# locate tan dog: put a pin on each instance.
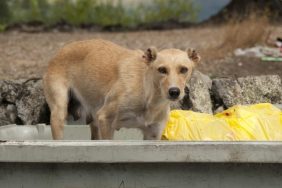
(117, 87)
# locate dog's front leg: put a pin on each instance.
(104, 119)
(153, 131)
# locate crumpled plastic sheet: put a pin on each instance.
(259, 122)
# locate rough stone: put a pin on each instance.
(31, 105)
(258, 89)
(10, 90)
(247, 90)
(226, 92)
(199, 88)
(197, 96)
(9, 93)
(8, 114)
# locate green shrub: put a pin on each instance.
(103, 13)
(3, 27)
(4, 12)
(169, 10)
(24, 11)
(107, 14)
(72, 12)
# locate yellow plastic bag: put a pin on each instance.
(254, 122)
(188, 125)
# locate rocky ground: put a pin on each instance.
(26, 55)
(23, 102)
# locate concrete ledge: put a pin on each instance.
(71, 132)
(140, 152)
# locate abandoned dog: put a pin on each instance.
(116, 87)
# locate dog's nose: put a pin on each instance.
(174, 92)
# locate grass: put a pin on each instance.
(241, 33)
(246, 33)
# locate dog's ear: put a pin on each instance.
(193, 55)
(150, 55)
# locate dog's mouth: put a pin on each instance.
(172, 99)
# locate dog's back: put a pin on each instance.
(93, 62)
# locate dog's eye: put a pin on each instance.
(183, 70)
(162, 70)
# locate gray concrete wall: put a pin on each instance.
(150, 175)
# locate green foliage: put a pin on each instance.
(108, 15)
(72, 12)
(2, 27)
(4, 14)
(104, 13)
(24, 11)
(170, 10)
(4, 11)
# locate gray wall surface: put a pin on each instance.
(150, 175)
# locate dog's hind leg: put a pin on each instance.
(56, 93)
(94, 131)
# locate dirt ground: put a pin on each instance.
(26, 55)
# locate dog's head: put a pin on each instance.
(171, 68)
